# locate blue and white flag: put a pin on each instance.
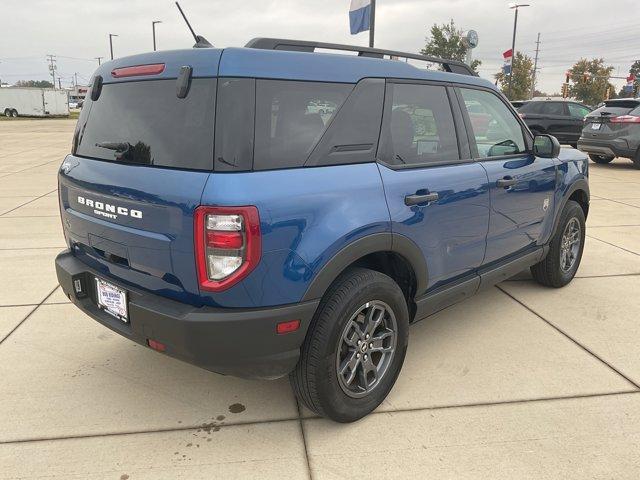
(508, 61)
(359, 16)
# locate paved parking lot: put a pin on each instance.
(519, 382)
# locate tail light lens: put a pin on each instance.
(227, 245)
(625, 119)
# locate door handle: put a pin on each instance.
(417, 199)
(506, 182)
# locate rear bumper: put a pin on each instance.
(239, 342)
(610, 148)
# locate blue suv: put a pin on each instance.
(279, 210)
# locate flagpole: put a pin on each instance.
(372, 23)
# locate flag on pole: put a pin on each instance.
(631, 80)
(508, 60)
(359, 16)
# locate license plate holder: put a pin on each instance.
(112, 299)
(596, 126)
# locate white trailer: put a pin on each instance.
(33, 102)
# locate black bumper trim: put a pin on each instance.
(239, 342)
(606, 148)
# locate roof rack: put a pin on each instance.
(451, 66)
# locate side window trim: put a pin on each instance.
(528, 139)
(459, 128)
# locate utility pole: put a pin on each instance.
(535, 66)
(111, 35)
(514, 6)
(99, 60)
(153, 28)
(372, 23)
(59, 84)
(75, 78)
(52, 68)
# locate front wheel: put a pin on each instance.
(636, 160)
(355, 346)
(600, 158)
(565, 251)
(7, 112)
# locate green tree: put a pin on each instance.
(34, 83)
(635, 71)
(590, 81)
(446, 42)
(522, 78)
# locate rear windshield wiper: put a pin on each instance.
(120, 147)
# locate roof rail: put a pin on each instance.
(451, 66)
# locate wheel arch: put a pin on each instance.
(392, 254)
(578, 192)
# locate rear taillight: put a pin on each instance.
(227, 245)
(625, 119)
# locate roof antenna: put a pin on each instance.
(201, 42)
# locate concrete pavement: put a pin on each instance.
(519, 382)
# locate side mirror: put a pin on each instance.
(546, 146)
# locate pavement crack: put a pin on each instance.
(304, 438)
(569, 337)
(28, 315)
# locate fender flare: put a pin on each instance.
(580, 184)
(377, 242)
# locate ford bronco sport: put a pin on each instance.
(212, 213)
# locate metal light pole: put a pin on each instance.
(111, 35)
(153, 28)
(372, 23)
(514, 6)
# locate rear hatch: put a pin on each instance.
(613, 120)
(140, 162)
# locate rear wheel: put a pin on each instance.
(600, 158)
(7, 112)
(565, 251)
(14, 113)
(354, 348)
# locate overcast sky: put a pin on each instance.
(77, 30)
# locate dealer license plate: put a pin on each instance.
(112, 299)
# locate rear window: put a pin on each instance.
(146, 123)
(618, 107)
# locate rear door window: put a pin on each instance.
(499, 133)
(552, 108)
(290, 118)
(418, 126)
(578, 111)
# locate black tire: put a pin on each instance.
(7, 112)
(315, 378)
(600, 158)
(14, 113)
(552, 271)
(636, 160)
